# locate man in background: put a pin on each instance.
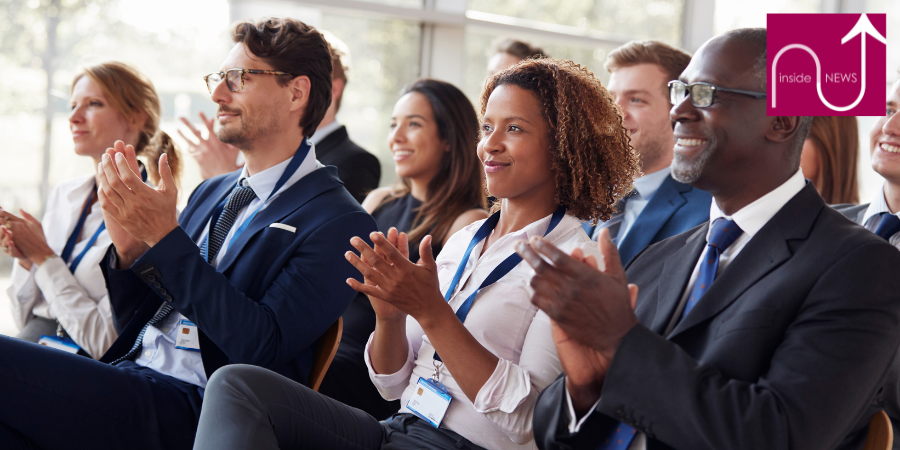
(659, 206)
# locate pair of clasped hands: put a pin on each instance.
(23, 237)
(137, 215)
(591, 307)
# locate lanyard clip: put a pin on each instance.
(436, 376)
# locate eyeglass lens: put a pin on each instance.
(701, 94)
(232, 79)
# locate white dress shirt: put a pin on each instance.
(872, 217)
(158, 350)
(504, 321)
(750, 219)
(78, 301)
(645, 188)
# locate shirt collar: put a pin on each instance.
(754, 216)
(647, 185)
(264, 182)
(323, 132)
(878, 206)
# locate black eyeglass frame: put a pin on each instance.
(224, 76)
(689, 92)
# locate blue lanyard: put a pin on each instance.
(73, 238)
(292, 167)
(499, 272)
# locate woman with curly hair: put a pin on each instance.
(458, 339)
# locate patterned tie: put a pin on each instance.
(724, 232)
(888, 226)
(240, 197)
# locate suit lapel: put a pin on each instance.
(659, 209)
(204, 211)
(675, 276)
(766, 251)
(294, 197)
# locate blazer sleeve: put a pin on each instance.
(360, 174)
(306, 297)
(551, 422)
(821, 379)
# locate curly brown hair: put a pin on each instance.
(593, 161)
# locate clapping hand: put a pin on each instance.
(145, 214)
(23, 238)
(591, 309)
(214, 156)
(407, 287)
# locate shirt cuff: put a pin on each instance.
(575, 423)
(505, 390)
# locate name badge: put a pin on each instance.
(65, 344)
(430, 401)
(187, 337)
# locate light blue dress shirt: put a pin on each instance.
(159, 352)
(645, 188)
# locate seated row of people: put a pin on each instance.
(223, 306)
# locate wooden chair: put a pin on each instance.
(328, 346)
(881, 434)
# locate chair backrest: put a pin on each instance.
(328, 345)
(881, 434)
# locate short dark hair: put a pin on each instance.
(339, 69)
(517, 48)
(289, 45)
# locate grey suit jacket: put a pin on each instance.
(788, 349)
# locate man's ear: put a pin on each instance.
(300, 87)
(337, 88)
(783, 128)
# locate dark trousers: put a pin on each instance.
(50, 399)
(247, 407)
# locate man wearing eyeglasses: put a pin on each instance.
(253, 271)
(772, 327)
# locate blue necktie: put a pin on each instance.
(723, 234)
(239, 198)
(614, 223)
(888, 226)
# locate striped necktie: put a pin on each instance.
(239, 198)
(614, 224)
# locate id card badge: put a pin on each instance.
(431, 400)
(187, 338)
(65, 344)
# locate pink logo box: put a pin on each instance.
(826, 64)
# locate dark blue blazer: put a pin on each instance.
(675, 208)
(274, 293)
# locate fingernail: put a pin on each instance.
(347, 255)
(105, 157)
(119, 157)
(520, 247)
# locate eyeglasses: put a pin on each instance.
(234, 78)
(702, 94)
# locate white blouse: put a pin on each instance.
(504, 321)
(78, 301)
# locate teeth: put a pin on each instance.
(690, 142)
(890, 148)
(403, 153)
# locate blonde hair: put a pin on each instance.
(132, 94)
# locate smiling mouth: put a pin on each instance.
(889, 148)
(402, 154)
(494, 166)
(690, 142)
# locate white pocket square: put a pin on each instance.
(283, 227)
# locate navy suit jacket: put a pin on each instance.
(274, 293)
(675, 208)
(788, 349)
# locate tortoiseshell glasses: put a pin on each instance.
(234, 78)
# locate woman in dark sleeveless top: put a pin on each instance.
(433, 135)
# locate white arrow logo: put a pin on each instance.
(862, 27)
